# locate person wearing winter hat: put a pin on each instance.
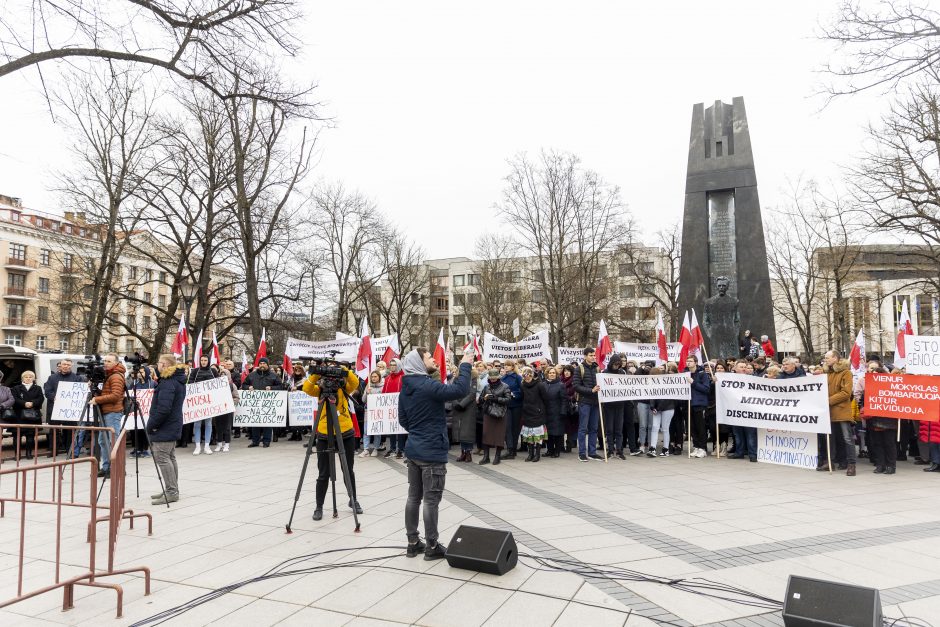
(262, 378)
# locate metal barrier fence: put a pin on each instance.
(70, 496)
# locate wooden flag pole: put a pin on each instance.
(717, 430)
(828, 453)
(600, 410)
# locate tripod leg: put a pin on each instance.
(303, 473)
(344, 463)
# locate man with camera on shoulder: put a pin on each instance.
(347, 434)
(110, 400)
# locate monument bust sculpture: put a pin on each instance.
(722, 321)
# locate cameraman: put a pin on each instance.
(347, 432)
(111, 402)
(421, 413)
(262, 378)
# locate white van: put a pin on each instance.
(14, 360)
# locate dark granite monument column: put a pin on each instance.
(722, 232)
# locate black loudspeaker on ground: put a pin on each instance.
(483, 550)
(818, 603)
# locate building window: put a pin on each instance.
(440, 322)
(16, 284)
(132, 322)
(538, 316)
(68, 229)
(112, 346)
(129, 346)
(538, 296)
(15, 216)
(15, 313)
(40, 342)
(65, 316)
(87, 292)
(459, 280)
(133, 273)
(18, 252)
(64, 345)
(147, 297)
(43, 315)
(146, 322)
(628, 291)
(43, 285)
(473, 279)
(460, 320)
(163, 277)
(161, 300)
(67, 261)
(442, 303)
(44, 257)
(474, 300)
(148, 275)
(625, 269)
(13, 339)
(628, 313)
(460, 300)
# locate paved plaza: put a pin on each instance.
(725, 521)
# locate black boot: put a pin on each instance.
(486, 456)
(497, 459)
(538, 453)
(531, 456)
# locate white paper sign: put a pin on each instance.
(532, 348)
(568, 355)
(207, 399)
(639, 353)
(787, 448)
(922, 353)
(144, 400)
(626, 387)
(261, 408)
(301, 408)
(800, 404)
(348, 348)
(69, 401)
(382, 414)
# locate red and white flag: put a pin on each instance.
(262, 348)
(661, 341)
(440, 355)
(685, 338)
(905, 327)
(604, 348)
(287, 366)
(215, 357)
(393, 351)
(197, 350)
(365, 360)
(473, 344)
(244, 365)
(695, 348)
(857, 356)
(181, 339)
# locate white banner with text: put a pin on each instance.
(261, 408)
(800, 404)
(382, 415)
(532, 348)
(628, 387)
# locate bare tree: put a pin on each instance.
(502, 294)
(401, 303)
(214, 43)
(659, 284)
(569, 220)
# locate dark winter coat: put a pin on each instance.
(797, 372)
(21, 396)
(260, 380)
(421, 413)
(200, 374)
(498, 395)
(514, 382)
(556, 402)
(533, 404)
(701, 388)
(465, 414)
(585, 378)
(52, 385)
(165, 423)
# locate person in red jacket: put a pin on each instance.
(930, 433)
(767, 347)
(392, 383)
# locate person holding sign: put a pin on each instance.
(63, 373)
(421, 413)
(347, 435)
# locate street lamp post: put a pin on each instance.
(188, 289)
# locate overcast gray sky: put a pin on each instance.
(431, 98)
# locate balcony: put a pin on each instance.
(18, 322)
(19, 293)
(21, 264)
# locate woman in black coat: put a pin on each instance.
(533, 414)
(464, 418)
(27, 402)
(494, 402)
(556, 401)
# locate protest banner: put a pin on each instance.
(381, 344)
(922, 353)
(569, 355)
(532, 348)
(207, 399)
(787, 448)
(347, 348)
(382, 415)
(800, 404)
(902, 396)
(301, 408)
(639, 353)
(261, 408)
(144, 400)
(628, 387)
(69, 401)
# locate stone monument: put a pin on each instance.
(722, 232)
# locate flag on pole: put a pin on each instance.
(393, 351)
(288, 367)
(244, 365)
(215, 357)
(604, 348)
(262, 348)
(695, 348)
(440, 355)
(857, 356)
(197, 350)
(473, 344)
(661, 340)
(685, 338)
(904, 328)
(181, 339)
(365, 360)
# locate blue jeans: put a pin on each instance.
(370, 441)
(588, 418)
(745, 441)
(112, 420)
(261, 433)
(197, 431)
(396, 442)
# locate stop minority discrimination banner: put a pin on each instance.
(800, 404)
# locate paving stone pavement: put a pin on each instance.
(743, 525)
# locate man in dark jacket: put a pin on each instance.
(262, 378)
(585, 384)
(421, 413)
(50, 389)
(165, 425)
(701, 397)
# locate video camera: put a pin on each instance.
(136, 361)
(332, 375)
(92, 368)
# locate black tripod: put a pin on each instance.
(90, 417)
(327, 403)
(139, 424)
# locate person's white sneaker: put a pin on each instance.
(218, 447)
(700, 453)
(723, 450)
(225, 448)
(364, 453)
(196, 452)
(374, 453)
(208, 450)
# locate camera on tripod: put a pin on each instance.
(332, 374)
(92, 368)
